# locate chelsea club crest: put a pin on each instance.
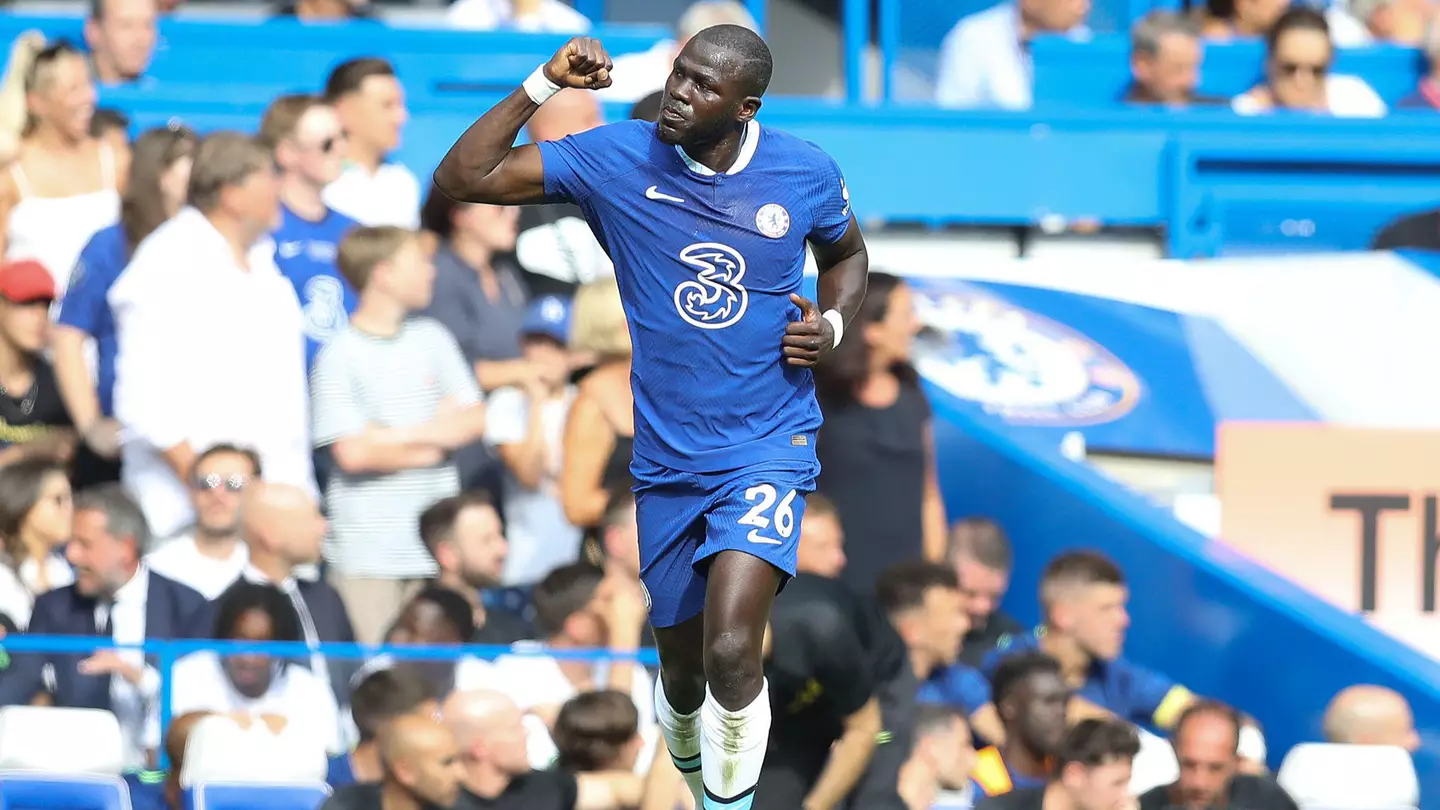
(772, 220)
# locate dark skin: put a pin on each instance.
(1035, 722)
(707, 104)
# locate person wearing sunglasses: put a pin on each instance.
(308, 143)
(1298, 58)
(210, 555)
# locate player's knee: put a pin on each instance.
(733, 664)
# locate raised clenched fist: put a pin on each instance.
(582, 63)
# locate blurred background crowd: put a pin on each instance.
(261, 383)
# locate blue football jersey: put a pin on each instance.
(305, 253)
(706, 264)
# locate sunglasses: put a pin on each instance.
(214, 481)
(1292, 69)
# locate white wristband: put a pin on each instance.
(539, 87)
(838, 321)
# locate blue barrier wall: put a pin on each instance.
(1222, 625)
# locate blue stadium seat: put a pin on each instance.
(20, 790)
(224, 796)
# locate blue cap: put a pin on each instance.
(548, 316)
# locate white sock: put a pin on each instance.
(733, 746)
(682, 737)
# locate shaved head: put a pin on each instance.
(281, 524)
(1370, 715)
(421, 755)
(491, 730)
(749, 58)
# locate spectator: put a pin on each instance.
(497, 774)
(121, 35)
(112, 126)
(1427, 92)
(526, 427)
(600, 430)
(464, 536)
(985, 59)
(822, 539)
(114, 596)
(830, 662)
(305, 136)
(574, 611)
(982, 558)
(437, 617)
(480, 295)
(65, 184)
(36, 515)
(324, 10)
(923, 602)
(637, 75)
(1370, 715)
(154, 192)
(377, 700)
(556, 249)
(878, 464)
(390, 444)
(597, 732)
(210, 271)
(210, 555)
(1082, 598)
(937, 774)
(371, 104)
(283, 531)
(620, 539)
(255, 684)
(1031, 698)
(648, 108)
(1384, 22)
(1298, 59)
(539, 16)
(1228, 19)
(1206, 739)
(1092, 771)
(422, 768)
(1165, 56)
(33, 419)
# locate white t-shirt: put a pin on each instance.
(533, 681)
(1348, 97)
(541, 539)
(180, 559)
(300, 696)
(390, 196)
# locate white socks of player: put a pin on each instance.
(682, 736)
(732, 748)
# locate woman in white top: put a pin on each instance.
(1298, 59)
(65, 184)
(253, 684)
(35, 515)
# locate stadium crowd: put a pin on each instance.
(267, 388)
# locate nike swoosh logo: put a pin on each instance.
(754, 537)
(654, 193)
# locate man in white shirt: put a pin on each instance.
(637, 75)
(212, 348)
(371, 104)
(210, 556)
(547, 16)
(985, 59)
(114, 596)
(576, 607)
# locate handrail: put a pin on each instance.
(168, 651)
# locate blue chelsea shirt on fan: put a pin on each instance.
(305, 253)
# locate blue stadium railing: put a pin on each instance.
(164, 654)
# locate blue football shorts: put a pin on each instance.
(684, 519)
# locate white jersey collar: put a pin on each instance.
(749, 142)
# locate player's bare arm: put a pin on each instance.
(485, 166)
(844, 270)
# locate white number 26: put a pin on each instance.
(764, 496)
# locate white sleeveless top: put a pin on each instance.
(53, 230)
